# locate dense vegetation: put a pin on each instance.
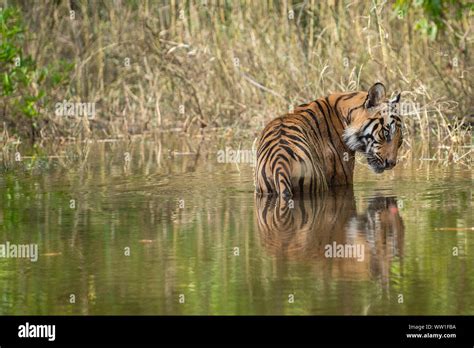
(184, 65)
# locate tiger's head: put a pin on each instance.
(375, 129)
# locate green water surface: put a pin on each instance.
(146, 227)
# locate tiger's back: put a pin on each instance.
(303, 152)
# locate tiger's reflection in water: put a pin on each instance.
(303, 230)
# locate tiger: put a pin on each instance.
(313, 147)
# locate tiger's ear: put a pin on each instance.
(396, 99)
(375, 95)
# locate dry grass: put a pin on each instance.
(212, 64)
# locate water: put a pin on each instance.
(142, 236)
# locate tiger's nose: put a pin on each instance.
(389, 164)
